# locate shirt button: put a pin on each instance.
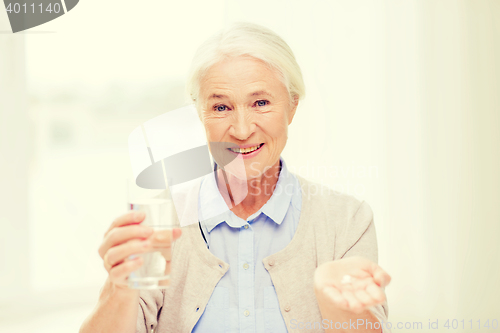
(271, 262)
(245, 266)
(287, 308)
(246, 313)
(246, 226)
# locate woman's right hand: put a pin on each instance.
(126, 236)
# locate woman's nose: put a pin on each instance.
(242, 126)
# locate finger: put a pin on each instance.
(164, 283)
(376, 293)
(381, 277)
(336, 296)
(117, 254)
(364, 297)
(167, 268)
(177, 232)
(166, 252)
(361, 283)
(119, 274)
(354, 304)
(164, 238)
(131, 217)
(120, 235)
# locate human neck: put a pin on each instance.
(258, 190)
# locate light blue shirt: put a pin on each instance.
(244, 300)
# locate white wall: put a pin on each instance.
(402, 110)
(15, 154)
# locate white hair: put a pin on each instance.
(243, 38)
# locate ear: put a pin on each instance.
(293, 108)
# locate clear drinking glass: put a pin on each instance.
(161, 216)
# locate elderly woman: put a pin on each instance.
(287, 255)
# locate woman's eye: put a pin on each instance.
(262, 103)
(220, 108)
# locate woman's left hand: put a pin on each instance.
(352, 284)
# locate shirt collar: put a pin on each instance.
(213, 210)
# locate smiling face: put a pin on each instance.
(245, 104)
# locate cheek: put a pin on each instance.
(276, 127)
(215, 129)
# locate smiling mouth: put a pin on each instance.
(245, 151)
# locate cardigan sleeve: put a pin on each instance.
(150, 304)
(365, 245)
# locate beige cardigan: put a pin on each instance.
(331, 226)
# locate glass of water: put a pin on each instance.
(161, 216)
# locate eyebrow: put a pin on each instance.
(261, 92)
(255, 93)
(216, 96)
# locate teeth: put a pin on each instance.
(245, 150)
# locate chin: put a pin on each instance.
(244, 175)
(246, 170)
